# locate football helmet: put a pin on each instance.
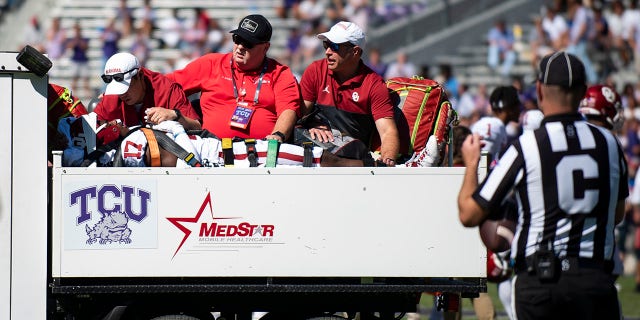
(603, 103)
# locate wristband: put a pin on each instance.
(279, 134)
(178, 114)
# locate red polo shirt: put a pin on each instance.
(211, 75)
(160, 92)
(364, 93)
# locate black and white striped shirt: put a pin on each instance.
(568, 176)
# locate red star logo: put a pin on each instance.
(187, 232)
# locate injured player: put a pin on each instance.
(143, 147)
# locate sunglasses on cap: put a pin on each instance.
(107, 78)
(244, 42)
(335, 47)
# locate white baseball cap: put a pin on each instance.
(344, 31)
(121, 66)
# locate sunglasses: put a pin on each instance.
(107, 78)
(244, 42)
(335, 47)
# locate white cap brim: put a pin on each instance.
(335, 38)
(117, 88)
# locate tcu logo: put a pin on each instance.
(111, 199)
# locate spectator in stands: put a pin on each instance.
(629, 18)
(581, 27)
(293, 52)
(375, 62)
(148, 17)
(140, 47)
(602, 42)
(633, 37)
(215, 37)
(449, 80)
(310, 12)
(402, 67)
(79, 45)
(481, 101)
(124, 18)
(357, 11)
(425, 71)
(347, 95)
(629, 96)
(630, 140)
(556, 27)
(171, 29)
(55, 40)
(110, 37)
(244, 93)
(465, 106)
(335, 12)
(620, 54)
(138, 96)
(195, 34)
(539, 41)
(501, 54)
(34, 35)
(286, 7)
(203, 18)
(309, 46)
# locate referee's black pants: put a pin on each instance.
(580, 294)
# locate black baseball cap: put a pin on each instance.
(504, 98)
(562, 69)
(254, 28)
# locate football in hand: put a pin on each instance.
(497, 234)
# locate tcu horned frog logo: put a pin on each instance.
(210, 231)
(116, 208)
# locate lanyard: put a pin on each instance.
(235, 88)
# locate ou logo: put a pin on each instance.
(608, 94)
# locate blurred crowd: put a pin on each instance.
(192, 32)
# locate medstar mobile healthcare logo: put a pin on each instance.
(214, 231)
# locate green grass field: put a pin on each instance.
(629, 299)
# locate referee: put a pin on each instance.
(570, 181)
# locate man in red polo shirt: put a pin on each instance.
(137, 95)
(350, 97)
(244, 93)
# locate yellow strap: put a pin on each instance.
(154, 150)
(227, 152)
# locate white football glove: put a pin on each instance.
(170, 126)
